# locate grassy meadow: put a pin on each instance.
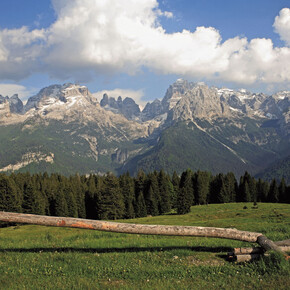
(36, 257)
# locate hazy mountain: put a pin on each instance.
(64, 128)
(126, 107)
(278, 170)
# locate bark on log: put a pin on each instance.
(244, 251)
(130, 228)
(267, 244)
(257, 250)
(283, 243)
(247, 258)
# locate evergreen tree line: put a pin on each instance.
(111, 197)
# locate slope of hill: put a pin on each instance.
(278, 170)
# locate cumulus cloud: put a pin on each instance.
(10, 89)
(136, 95)
(96, 37)
(282, 25)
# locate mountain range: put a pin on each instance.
(64, 128)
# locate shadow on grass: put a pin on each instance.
(116, 250)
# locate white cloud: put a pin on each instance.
(11, 89)
(136, 95)
(108, 37)
(282, 25)
(166, 14)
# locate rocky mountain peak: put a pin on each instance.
(174, 93)
(13, 104)
(16, 105)
(56, 95)
(126, 107)
(199, 101)
(152, 110)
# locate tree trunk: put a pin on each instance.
(257, 250)
(130, 228)
(226, 233)
(267, 245)
(247, 258)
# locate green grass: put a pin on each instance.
(35, 257)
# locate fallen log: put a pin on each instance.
(268, 245)
(193, 231)
(226, 233)
(247, 258)
(257, 250)
(244, 251)
(283, 243)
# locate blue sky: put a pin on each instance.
(142, 46)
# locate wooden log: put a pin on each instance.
(130, 228)
(257, 250)
(268, 245)
(283, 243)
(247, 258)
(244, 251)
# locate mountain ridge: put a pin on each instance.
(115, 135)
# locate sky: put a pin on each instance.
(137, 48)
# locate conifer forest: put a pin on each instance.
(109, 197)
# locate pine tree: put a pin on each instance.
(9, 199)
(282, 191)
(183, 202)
(127, 189)
(111, 204)
(244, 189)
(201, 180)
(152, 194)
(187, 183)
(61, 208)
(273, 195)
(151, 203)
(175, 183)
(32, 202)
(185, 196)
(231, 187)
(72, 208)
(79, 193)
(140, 205)
(218, 191)
(262, 188)
(165, 193)
(91, 198)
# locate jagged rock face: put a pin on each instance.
(152, 110)
(16, 105)
(176, 92)
(126, 107)
(3, 99)
(51, 92)
(129, 108)
(120, 156)
(4, 107)
(199, 102)
(110, 102)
